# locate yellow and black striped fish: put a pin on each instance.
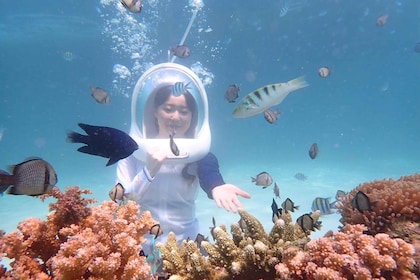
(267, 96)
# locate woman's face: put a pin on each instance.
(173, 116)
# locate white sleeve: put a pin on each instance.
(134, 177)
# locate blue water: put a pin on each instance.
(365, 116)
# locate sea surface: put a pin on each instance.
(364, 116)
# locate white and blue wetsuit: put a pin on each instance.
(170, 196)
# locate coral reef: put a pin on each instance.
(393, 201)
(395, 209)
(349, 254)
(251, 253)
(78, 241)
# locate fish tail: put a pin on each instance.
(297, 83)
(74, 137)
(253, 179)
(5, 181)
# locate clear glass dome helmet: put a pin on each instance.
(143, 122)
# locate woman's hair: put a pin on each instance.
(163, 94)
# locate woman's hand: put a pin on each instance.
(227, 196)
(154, 160)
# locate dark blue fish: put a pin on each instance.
(313, 151)
(323, 205)
(103, 141)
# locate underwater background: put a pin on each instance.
(364, 116)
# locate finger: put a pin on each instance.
(244, 194)
(218, 203)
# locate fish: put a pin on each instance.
(179, 88)
(271, 115)
(156, 230)
(362, 202)
(212, 228)
(133, 6)
(313, 151)
(263, 179)
(265, 97)
(324, 72)
(32, 177)
(381, 20)
(276, 190)
(323, 205)
(276, 211)
(289, 205)
(117, 192)
(340, 194)
(300, 176)
(200, 238)
(103, 141)
(100, 95)
(232, 93)
(172, 145)
(181, 51)
(306, 222)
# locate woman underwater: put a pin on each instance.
(158, 181)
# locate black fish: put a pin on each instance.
(232, 93)
(181, 51)
(313, 151)
(362, 202)
(172, 145)
(276, 211)
(103, 141)
(289, 205)
(306, 222)
(212, 228)
(32, 177)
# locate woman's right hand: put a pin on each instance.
(154, 160)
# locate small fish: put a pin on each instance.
(276, 190)
(271, 115)
(179, 88)
(133, 6)
(300, 176)
(289, 205)
(103, 141)
(232, 93)
(306, 222)
(156, 230)
(381, 21)
(417, 48)
(324, 72)
(340, 194)
(100, 95)
(362, 202)
(265, 97)
(117, 192)
(263, 179)
(200, 238)
(323, 205)
(276, 211)
(313, 151)
(172, 145)
(181, 51)
(32, 177)
(212, 228)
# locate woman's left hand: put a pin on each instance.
(227, 196)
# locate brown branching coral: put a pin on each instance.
(349, 254)
(79, 242)
(251, 253)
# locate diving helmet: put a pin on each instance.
(143, 122)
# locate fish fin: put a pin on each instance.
(253, 179)
(74, 137)
(111, 161)
(89, 129)
(296, 207)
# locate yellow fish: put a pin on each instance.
(267, 96)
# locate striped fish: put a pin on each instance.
(267, 96)
(323, 205)
(179, 88)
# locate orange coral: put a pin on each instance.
(350, 254)
(393, 200)
(78, 242)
